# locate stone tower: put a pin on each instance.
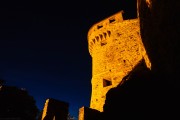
(116, 47)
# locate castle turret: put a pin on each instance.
(115, 46)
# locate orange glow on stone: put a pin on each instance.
(116, 47)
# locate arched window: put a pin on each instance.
(97, 38)
(101, 36)
(109, 33)
(94, 40)
(104, 35)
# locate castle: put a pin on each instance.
(116, 47)
(145, 45)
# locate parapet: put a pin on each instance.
(98, 31)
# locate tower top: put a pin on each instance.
(99, 26)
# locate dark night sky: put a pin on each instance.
(43, 46)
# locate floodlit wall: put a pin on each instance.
(116, 47)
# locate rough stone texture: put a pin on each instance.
(115, 46)
(86, 113)
(55, 110)
(122, 82)
(135, 98)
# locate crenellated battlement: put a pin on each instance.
(99, 34)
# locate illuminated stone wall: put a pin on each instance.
(45, 109)
(55, 110)
(86, 113)
(115, 46)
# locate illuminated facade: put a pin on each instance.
(116, 47)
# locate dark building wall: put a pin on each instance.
(140, 97)
(134, 98)
(86, 113)
(160, 30)
(55, 109)
(151, 94)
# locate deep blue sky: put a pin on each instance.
(43, 46)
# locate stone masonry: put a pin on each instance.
(55, 110)
(116, 47)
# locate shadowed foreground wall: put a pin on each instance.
(160, 30)
(152, 94)
(55, 110)
(134, 99)
(86, 113)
